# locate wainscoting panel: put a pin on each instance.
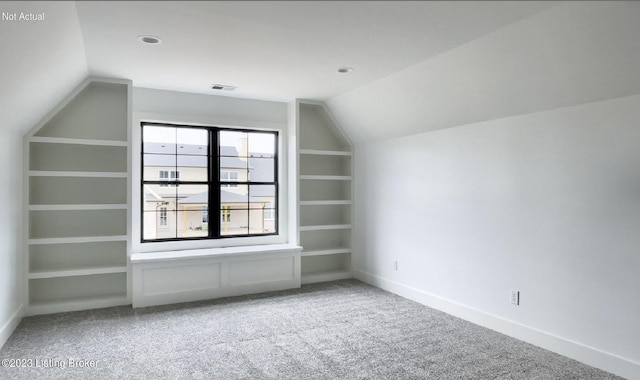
(173, 278)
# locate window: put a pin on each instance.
(168, 175)
(188, 171)
(269, 212)
(163, 216)
(225, 214)
(205, 214)
(228, 176)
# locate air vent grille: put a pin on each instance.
(222, 87)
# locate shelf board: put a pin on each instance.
(77, 272)
(326, 276)
(324, 152)
(326, 227)
(56, 173)
(63, 140)
(74, 304)
(327, 177)
(325, 252)
(65, 240)
(70, 207)
(325, 203)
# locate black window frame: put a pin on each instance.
(213, 183)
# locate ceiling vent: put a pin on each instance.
(223, 87)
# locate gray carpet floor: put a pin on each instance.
(335, 330)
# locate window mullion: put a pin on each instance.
(214, 184)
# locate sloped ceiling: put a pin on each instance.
(42, 61)
(279, 50)
(419, 65)
(575, 53)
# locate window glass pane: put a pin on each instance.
(233, 210)
(262, 144)
(192, 168)
(192, 141)
(190, 224)
(159, 208)
(236, 165)
(159, 139)
(234, 196)
(156, 196)
(229, 176)
(262, 193)
(270, 211)
(233, 144)
(234, 220)
(160, 224)
(192, 197)
(258, 224)
(154, 164)
(261, 169)
(262, 213)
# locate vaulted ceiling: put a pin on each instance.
(418, 65)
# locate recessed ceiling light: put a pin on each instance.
(345, 70)
(151, 40)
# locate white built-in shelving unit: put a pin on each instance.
(77, 229)
(325, 194)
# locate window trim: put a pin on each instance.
(213, 182)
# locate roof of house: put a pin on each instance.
(188, 155)
(258, 193)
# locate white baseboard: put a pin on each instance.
(589, 355)
(7, 329)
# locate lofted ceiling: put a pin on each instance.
(418, 65)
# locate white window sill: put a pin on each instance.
(149, 257)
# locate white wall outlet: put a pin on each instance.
(395, 264)
(515, 297)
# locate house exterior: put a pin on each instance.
(182, 211)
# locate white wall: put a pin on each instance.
(545, 203)
(11, 273)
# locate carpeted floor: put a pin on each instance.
(336, 330)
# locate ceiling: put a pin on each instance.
(418, 65)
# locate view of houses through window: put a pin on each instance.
(189, 171)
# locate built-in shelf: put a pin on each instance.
(326, 192)
(76, 193)
(327, 177)
(63, 140)
(325, 203)
(76, 272)
(79, 303)
(65, 240)
(52, 173)
(72, 207)
(326, 227)
(324, 252)
(324, 152)
(326, 276)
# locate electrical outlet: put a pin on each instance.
(515, 297)
(395, 265)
